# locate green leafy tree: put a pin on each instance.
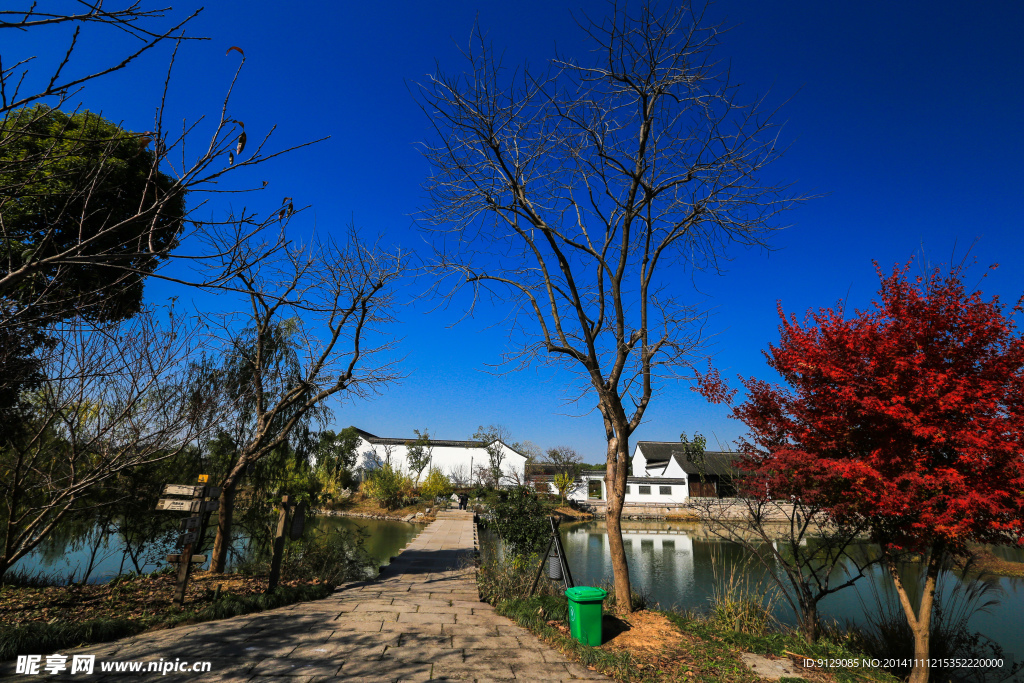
(335, 455)
(389, 486)
(563, 482)
(87, 214)
(694, 451)
(419, 453)
(437, 485)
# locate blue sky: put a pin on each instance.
(904, 117)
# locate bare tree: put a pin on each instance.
(565, 465)
(580, 197)
(115, 397)
(494, 438)
(304, 338)
(460, 475)
(807, 556)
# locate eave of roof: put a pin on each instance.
(387, 441)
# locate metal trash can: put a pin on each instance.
(585, 608)
(554, 566)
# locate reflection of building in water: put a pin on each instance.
(665, 554)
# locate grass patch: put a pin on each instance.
(705, 653)
(35, 637)
(782, 643)
(361, 504)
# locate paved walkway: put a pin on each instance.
(422, 619)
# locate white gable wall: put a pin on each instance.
(674, 470)
(639, 463)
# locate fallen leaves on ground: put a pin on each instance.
(135, 598)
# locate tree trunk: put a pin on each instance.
(810, 624)
(615, 487)
(920, 621)
(224, 515)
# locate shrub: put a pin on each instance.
(389, 486)
(509, 577)
(520, 520)
(436, 485)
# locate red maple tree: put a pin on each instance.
(909, 415)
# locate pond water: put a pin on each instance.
(674, 564)
(383, 539)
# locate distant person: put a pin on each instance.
(463, 501)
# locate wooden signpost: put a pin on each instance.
(294, 532)
(193, 528)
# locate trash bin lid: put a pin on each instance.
(586, 594)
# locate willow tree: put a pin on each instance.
(582, 198)
(305, 334)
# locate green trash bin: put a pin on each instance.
(585, 613)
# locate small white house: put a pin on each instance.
(662, 476)
(464, 462)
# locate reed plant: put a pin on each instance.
(740, 602)
(959, 596)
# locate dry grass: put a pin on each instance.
(571, 513)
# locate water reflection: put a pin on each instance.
(64, 555)
(673, 563)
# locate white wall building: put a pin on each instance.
(662, 476)
(461, 461)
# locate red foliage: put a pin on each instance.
(910, 414)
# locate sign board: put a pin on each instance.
(212, 492)
(182, 490)
(203, 478)
(178, 505)
(188, 537)
(176, 558)
(190, 523)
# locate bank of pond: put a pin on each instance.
(681, 566)
(677, 565)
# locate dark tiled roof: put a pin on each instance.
(715, 462)
(389, 441)
(433, 442)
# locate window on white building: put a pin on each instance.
(665, 490)
(645, 490)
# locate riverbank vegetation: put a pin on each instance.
(741, 615)
(649, 644)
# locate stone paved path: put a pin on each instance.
(420, 620)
